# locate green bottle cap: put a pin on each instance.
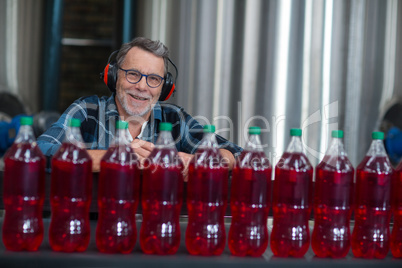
(295, 132)
(337, 134)
(165, 126)
(254, 130)
(377, 135)
(121, 124)
(74, 122)
(209, 129)
(26, 121)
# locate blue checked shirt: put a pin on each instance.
(98, 121)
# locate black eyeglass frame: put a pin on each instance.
(146, 77)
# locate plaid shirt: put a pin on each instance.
(98, 121)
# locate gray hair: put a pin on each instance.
(155, 47)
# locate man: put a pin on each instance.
(141, 72)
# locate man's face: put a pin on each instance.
(138, 99)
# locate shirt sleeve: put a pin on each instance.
(49, 142)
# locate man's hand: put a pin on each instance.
(227, 158)
(142, 148)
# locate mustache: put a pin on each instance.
(140, 95)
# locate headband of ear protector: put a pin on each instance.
(109, 77)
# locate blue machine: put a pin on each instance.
(8, 132)
(393, 144)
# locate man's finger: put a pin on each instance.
(141, 152)
(137, 143)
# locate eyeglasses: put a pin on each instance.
(134, 77)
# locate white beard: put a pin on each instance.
(131, 110)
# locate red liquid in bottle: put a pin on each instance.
(24, 190)
(70, 198)
(162, 195)
(396, 199)
(207, 190)
(371, 234)
(250, 200)
(118, 196)
(332, 208)
(291, 202)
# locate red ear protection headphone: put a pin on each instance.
(109, 77)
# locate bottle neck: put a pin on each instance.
(336, 148)
(120, 137)
(25, 135)
(377, 148)
(73, 136)
(209, 141)
(254, 144)
(165, 140)
(295, 145)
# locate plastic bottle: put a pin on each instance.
(207, 191)
(70, 193)
(371, 233)
(250, 199)
(291, 200)
(162, 196)
(118, 196)
(396, 204)
(24, 190)
(333, 201)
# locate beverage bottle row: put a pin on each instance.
(24, 188)
(162, 190)
(333, 202)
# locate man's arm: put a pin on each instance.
(50, 141)
(142, 148)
